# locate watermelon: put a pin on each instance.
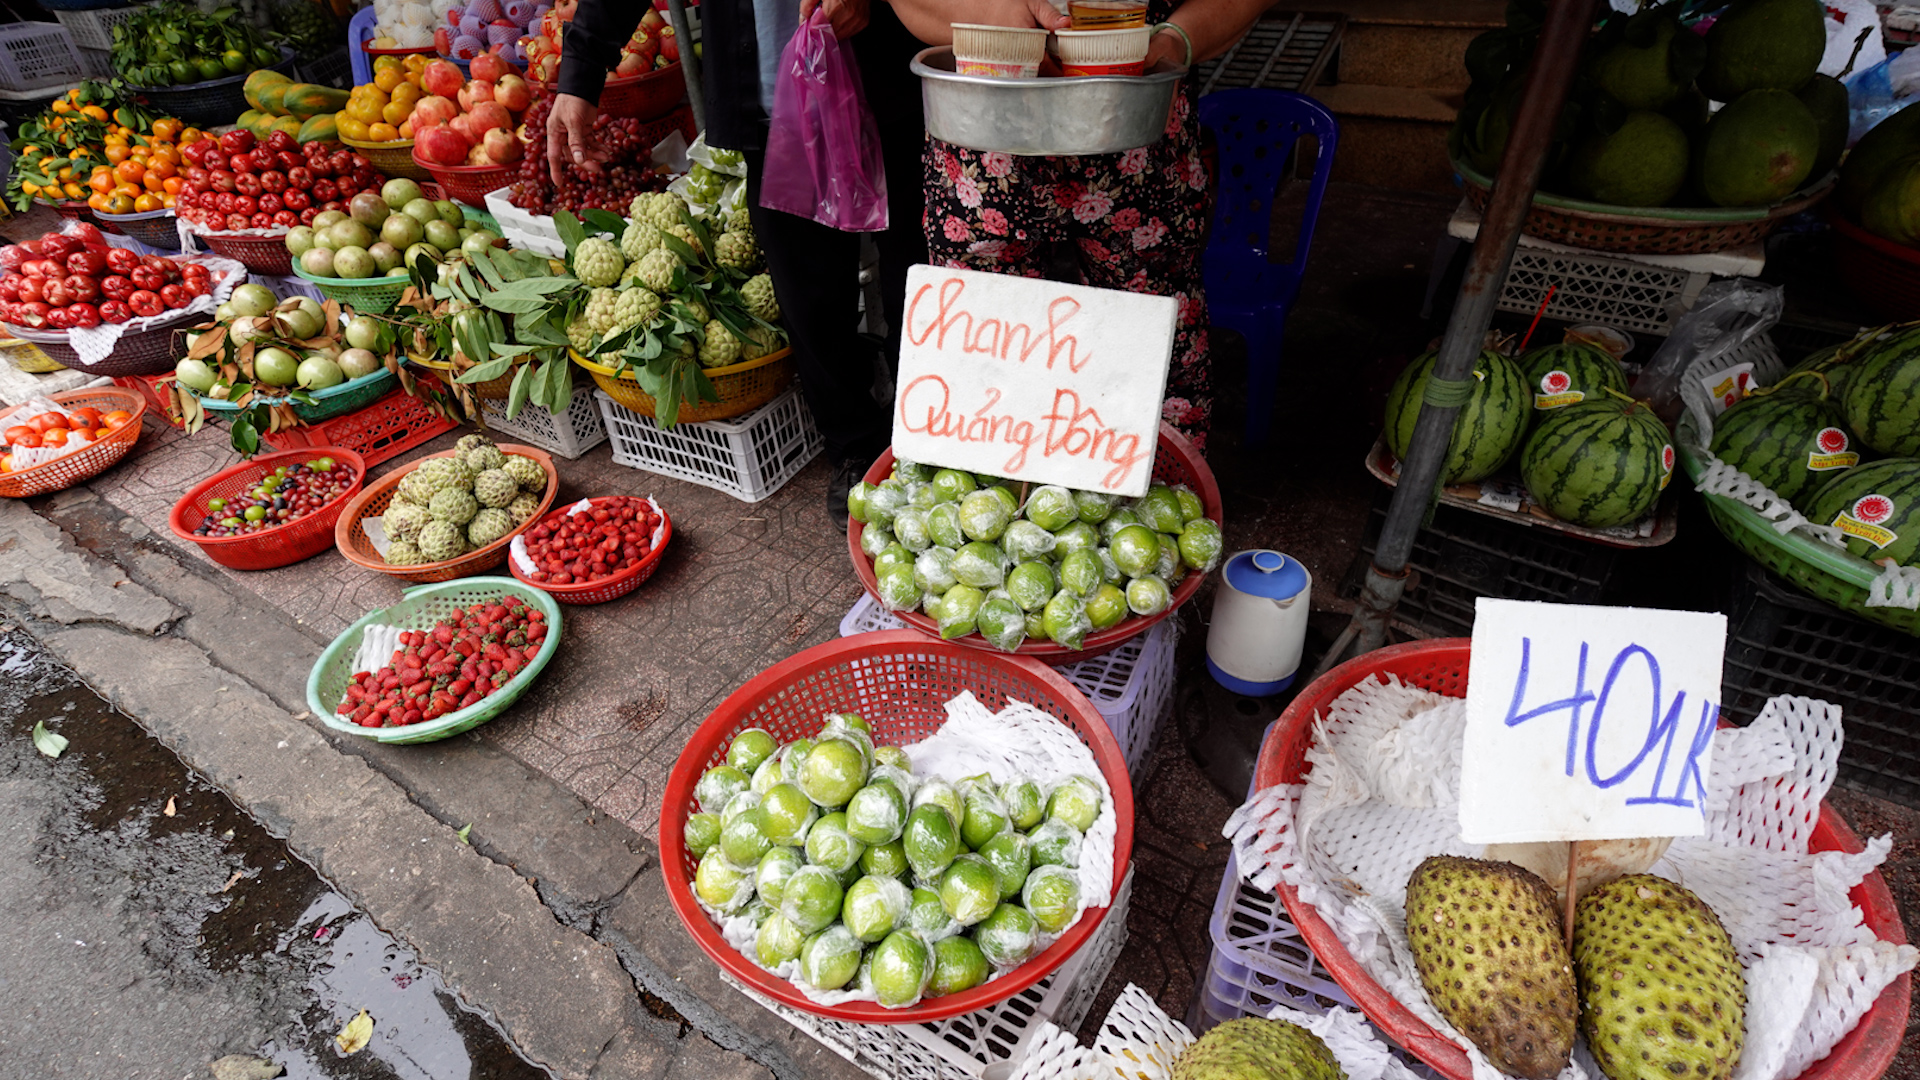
(1600, 463)
(1569, 373)
(1791, 437)
(1877, 506)
(1834, 362)
(1486, 431)
(1882, 400)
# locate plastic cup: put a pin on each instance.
(1005, 52)
(1102, 52)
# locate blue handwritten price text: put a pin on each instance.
(1688, 788)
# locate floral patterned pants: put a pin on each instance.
(1138, 219)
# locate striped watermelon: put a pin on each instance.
(1878, 507)
(1569, 373)
(1791, 437)
(1488, 428)
(1835, 362)
(1882, 401)
(1599, 463)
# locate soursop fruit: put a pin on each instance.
(1254, 1049)
(480, 459)
(686, 235)
(663, 208)
(720, 348)
(637, 307)
(404, 553)
(658, 268)
(640, 238)
(598, 263)
(1487, 940)
(403, 521)
(495, 487)
(1662, 992)
(758, 293)
(522, 508)
(526, 472)
(442, 540)
(489, 525)
(455, 506)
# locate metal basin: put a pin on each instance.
(1092, 114)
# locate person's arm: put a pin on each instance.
(847, 17)
(1214, 25)
(591, 46)
(932, 20)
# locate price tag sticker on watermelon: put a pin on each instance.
(1032, 380)
(1728, 386)
(1588, 723)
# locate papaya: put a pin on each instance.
(259, 81)
(271, 97)
(248, 118)
(306, 100)
(292, 125)
(320, 128)
(262, 125)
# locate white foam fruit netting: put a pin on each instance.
(1382, 794)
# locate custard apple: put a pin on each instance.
(737, 250)
(488, 526)
(688, 237)
(523, 507)
(482, 459)
(663, 208)
(495, 487)
(637, 306)
(580, 334)
(720, 347)
(640, 238)
(1250, 1048)
(442, 540)
(758, 293)
(597, 263)
(658, 269)
(526, 472)
(455, 506)
(418, 487)
(404, 553)
(699, 310)
(403, 521)
(601, 309)
(759, 341)
(471, 442)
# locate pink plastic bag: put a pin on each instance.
(823, 152)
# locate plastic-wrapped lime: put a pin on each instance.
(1011, 857)
(958, 964)
(718, 787)
(928, 917)
(702, 831)
(943, 525)
(897, 587)
(778, 941)
(1009, 936)
(739, 804)
(1092, 507)
(830, 845)
(980, 564)
(894, 756)
(876, 813)
(931, 840)
(912, 472)
(1159, 509)
(1200, 545)
(1080, 572)
(1031, 585)
(985, 817)
(1054, 843)
(811, 898)
(1024, 540)
(1110, 570)
(1065, 620)
(849, 727)
(910, 528)
(1075, 537)
(1026, 807)
(1037, 625)
(758, 911)
(902, 780)
(933, 570)
(874, 906)
(1148, 595)
(857, 501)
(942, 794)
(1191, 508)
(968, 889)
(1076, 801)
(789, 813)
(749, 749)
(959, 611)
(721, 885)
(875, 539)
(1001, 622)
(1107, 606)
(1169, 562)
(952, 485)
(984, 516)
(1119, 519)
(1051, 507)
(902, 967)
(833, 771)
(1136, 550)
(767, 775)
(792, 756)
(776, 866)
(850, 720)
(887, 860)
(884, 500)
(743, 839)
(1052, 897)
(920, 497)
(829, 958)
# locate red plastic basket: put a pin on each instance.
(469, 183)
(64, 472)
(611, 587)
(268, 549)
(389, 427)
(148, 387)
(649, 96)
(1884, 274)
(1174, 462)
(260, 254)
(1440, 665)
(899, 682)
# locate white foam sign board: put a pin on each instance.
(1588, 723)
(1031, 379)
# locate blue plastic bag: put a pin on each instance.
(823, 150)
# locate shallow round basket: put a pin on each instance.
(419, 610)
(64, 472)
(207, 103)
(282, 545)
(326, 404)
(742, 387)
(392, 158)
(1879, 271)
(368, 296)
(424, 50)
(899, 682)
(647, 96)
(1648, 230)
(1175, 461)
(351, 537)
(611, 587)
(1092, 114)
(1440, 665)
(144, 352)
(261, 254)
(469, 183)
(154, 228)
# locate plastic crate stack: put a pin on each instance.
(749, 457)
(40, 56)
(570, 435)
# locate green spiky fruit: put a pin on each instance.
(602, 312)
(482, 458)
(403, 521)
(404, 553)
(758, 293)
(598, 263)
(526, 472)
(1487, 941)
(455, 506)
(636, 307)
(663, 208)
(580, 334)
(685, 234)
(488, 525)
(658, 268)
(522, 509)
(471, 441)
(640, 238)
(495, 487)
(759, 341)
(1253, 1049)
(442, 540)
(736, 250)
(419, 486)
(720, 348)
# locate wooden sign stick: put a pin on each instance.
(1573, 871)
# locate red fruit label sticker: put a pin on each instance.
(1555, 382)
(1556, 391)
(1830, 452)
(1863, 522)
(1666, 465)
(1728, 387)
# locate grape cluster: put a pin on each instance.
(624, 174)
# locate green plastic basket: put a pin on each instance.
(334, 401)
(368, 296)
(423, 606)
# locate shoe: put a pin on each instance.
(845, 475)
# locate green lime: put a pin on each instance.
(943, 526)
(743, 839)
(1136, 550)
(912, 472)
(984, 516)
(875, 906)
(1191, 508)
(721, 885)
(1200, 545)
(889, 859)
(902, 966)
(1107, 606)
(885, 499)
(749, 749)
(211, 68)
(893, 756)
(1092, 506)
(985, 817)
(1159, 509)
(834, 769)
(928, 917)
(234, 61)
(1075, 537)
(931, 840)
(1024, 540)
(1119, 519)
(830, 845)
(933, 570)
(792, 756)
(980, 564)
(739, 804)
(959, 611)
(1051, 507)
(941, 794)
(778, 941)
(1036, 626)
(958, 964)
(789, 813)
(1008, 936)
(182, 71)
(876, 814)
(830, 958)
(952, 485)
(1169, 562)
(1055, 843)
(857, 501)
(923, 498)
(702, 831)
(758, 912)
(1080, 572)
(894, 555)
(811, 898)
(1031, 585)
(718, 787)
(1076, 801)
(776, 866)
(910, 528)
(1025, 806)
(1011, 858)
(767, 775)
(1007, 498)
(876, 538)
(852, 728)
(1064, 620)
(968, 889)
(1148, 595)
(1001, 622)
(1052, 896)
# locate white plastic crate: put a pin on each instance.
(37, 54)
(975, 1045)
(94, 29)
(1132, 686)
(1592, 288)
(524, 229)
(748, 457)
(569, 436)
(1259, 960)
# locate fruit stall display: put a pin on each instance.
(479, 27)
(593, 551)
(74, 280)
(272, 511)
(303, 111)
(377, 116)
(378, 234)
(74, 151)
(173, 43)
(239, 182)
(278, 363)
(638, 86)
(626, 170)
(55, 432)
(1874, 213)
(468, 122)
(449, 514)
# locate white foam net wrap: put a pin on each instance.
(1382, 794)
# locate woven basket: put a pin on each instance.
(742, 387)
(145, 352)
(154, 228)
(268, 549)
(261, 254)
(1647, 230)
(351, 537)
(209, 103)
(64, 472)
(392, 158)
(1884, 274)
(368, 296)
(470, 183)
(492, 390)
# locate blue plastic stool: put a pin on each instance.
(359, 32)
(1257, 131)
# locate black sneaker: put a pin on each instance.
(845, 475)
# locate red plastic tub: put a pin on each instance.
(282, 545)
(611, 587)
(647, 96)
(899, 682)
(1440, 665)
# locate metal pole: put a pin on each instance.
(690, 63)
(1554, 59)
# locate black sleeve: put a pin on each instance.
(592, 43)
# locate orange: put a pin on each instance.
(129, 190)
(172, 185)
(162, 166)
(120, 204)
(101, 180)
(129, 172)
(416, 62)
(118, 152)
(152, 181)
(74, 191)
(394, 114)
(167, 199)
(167, 129)
(387, 78)
(94, 111)
(62, 106)
(95, 201)
(117, 417)
(147, 202)
(382, 133)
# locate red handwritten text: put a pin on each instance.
(1069, 429)
(933, 317)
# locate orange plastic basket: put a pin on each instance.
(282, 545)
(611, 587)
(1175, 461)
(1440, 665)
(64, 472)
(742, 387)
(899, 682)
(351, 537)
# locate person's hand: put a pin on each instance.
(570, 135)
(1167, 46)
(847, 17)
(1024, 14)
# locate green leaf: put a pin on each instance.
(559, 386)
(708, 392)
(465, 834)
(245, 437)
(605, 221)
(480, 373)
(570, 230)
(509, 268)
(50, 743)
(490, 273)
(679, 247)
(517, 395)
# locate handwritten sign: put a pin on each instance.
(1031, 379)
(1588, 723)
